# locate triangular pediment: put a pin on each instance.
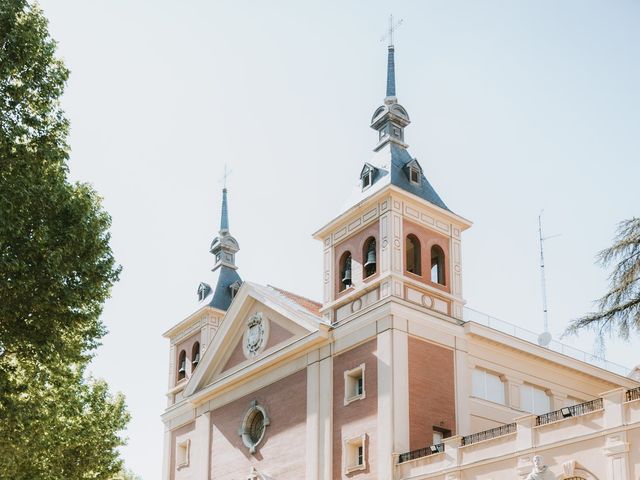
(261, 322)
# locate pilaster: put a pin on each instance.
(201, 446)
(166, 457)
(386, 435)
(524, 432)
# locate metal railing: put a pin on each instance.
(532, 337)
(572, 411)
(421, 452)
(633, 394)
(488, 434)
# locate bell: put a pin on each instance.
(196, 359)
(182, 369)
(371, 256)
(346, 281)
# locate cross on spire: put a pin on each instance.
(392, 28)
(226, 174)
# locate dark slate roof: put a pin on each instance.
(220, 296)
(400, 177)
(391, 169)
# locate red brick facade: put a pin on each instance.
(431, 391)
(359, 416)
(281, 453)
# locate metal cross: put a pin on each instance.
(227, 172)
(392, 28)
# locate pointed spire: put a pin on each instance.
(224, 216)
(391, 74)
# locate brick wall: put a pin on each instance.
(281, 454)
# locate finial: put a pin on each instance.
(391, 68)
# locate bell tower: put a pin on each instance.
(397, 237)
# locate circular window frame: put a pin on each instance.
(245, 429)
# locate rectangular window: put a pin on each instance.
(487, 385)
(439, 434)
(182, 454)
(354, 384)
(534, 399)
(354, 454)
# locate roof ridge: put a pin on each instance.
(288, 293)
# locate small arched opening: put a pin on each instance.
(412, 251)
(437, 265)
(182, 365)
(344, 279)
(195, 355)
(369, 257)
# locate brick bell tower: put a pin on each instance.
(396, 238)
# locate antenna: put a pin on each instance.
(392, 28)
(545, 337)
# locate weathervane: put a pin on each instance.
(392, 28)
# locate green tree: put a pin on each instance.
(619, 308)
(56, 271)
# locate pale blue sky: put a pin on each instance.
(516, 106)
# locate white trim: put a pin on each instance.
(182, 450)
(349, 376)
(347, 453)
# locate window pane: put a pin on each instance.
(541, 401)
(495, 388)
(477, 384)
(526, 398)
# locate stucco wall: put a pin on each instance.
(281, 454)
(180, 434)
(358, 417)
(431, 391)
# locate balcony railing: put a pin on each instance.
(421, 452)
(532, 337)
(572, 411)
(633, 394)
(488, 434)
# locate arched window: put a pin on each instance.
(437, 265)
(369, 257)
(412, 248)
(182, 365)
(195, 355)
(345, 271)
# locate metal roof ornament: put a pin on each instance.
(224, 247)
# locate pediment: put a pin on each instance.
(260, 322)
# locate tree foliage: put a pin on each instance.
(56, 271)
(619, 308)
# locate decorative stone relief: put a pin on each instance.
(540, 471)
(255, 335)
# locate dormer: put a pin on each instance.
(367, 176)
(413, 170)
(204, 289)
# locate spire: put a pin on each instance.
(391, 74)
(224, 247)
(391, 118)
(224, 216)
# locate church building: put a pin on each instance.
(390, 376)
